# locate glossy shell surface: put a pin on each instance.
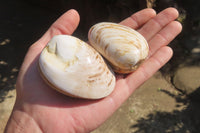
(122, 46)
(74, 68)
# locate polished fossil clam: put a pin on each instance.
(122, 46)
(74, 68)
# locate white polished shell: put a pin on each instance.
(122, 46)
(74, 68)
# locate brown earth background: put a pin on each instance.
(169, 102)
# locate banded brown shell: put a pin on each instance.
(122, 46)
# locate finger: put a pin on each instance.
(138, 19)
(125, 87)
(66, 24)
(149, 67)
(165, 36)
(157, 23)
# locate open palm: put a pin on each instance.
(50, 111)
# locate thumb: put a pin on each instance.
(66, 24)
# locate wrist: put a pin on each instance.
(21, 122)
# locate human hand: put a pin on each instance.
(39, 108)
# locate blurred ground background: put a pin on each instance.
(167, 103)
